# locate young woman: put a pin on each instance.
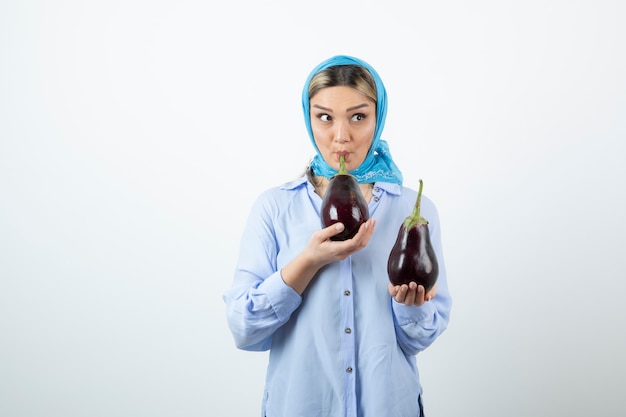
(342, 339)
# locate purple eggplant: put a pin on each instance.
(343, 202)
(412, 257)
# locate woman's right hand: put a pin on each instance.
(325, 251)
(321, 251)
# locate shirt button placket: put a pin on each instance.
(376, 194)
(348, 347)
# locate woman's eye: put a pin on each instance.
(324, 117)
(357, 117)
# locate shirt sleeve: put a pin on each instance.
(418, 327)
(259, 301)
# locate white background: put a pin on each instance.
(134, 136)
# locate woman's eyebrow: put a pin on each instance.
(359, 106)
(349, 109)
(317, 106)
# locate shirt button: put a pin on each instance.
(346, 292)
(376, 199)
(349, 369)
(376, 189)
(348, 330)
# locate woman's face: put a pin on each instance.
(343, 123)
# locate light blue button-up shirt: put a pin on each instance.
(345, 347)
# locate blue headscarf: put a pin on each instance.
(378, 164)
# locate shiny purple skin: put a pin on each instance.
(343, 202)
(413, 258)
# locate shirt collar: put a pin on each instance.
(292, 185)
(389, 187)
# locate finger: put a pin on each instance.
(364, 233)
(419, 295)
(358, 241)
(401, 294)
(421, 292)
(332, 230)
(412, 296)
(431, 293)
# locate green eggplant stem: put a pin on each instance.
(342, 165)
(415, 219)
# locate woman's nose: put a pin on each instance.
(342, 133)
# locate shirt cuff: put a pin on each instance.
(282, 297)
(412, 314)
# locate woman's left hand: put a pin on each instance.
(411, 294)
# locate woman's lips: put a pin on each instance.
(342, 153)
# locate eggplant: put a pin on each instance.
(343, 202)
(412, 257)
